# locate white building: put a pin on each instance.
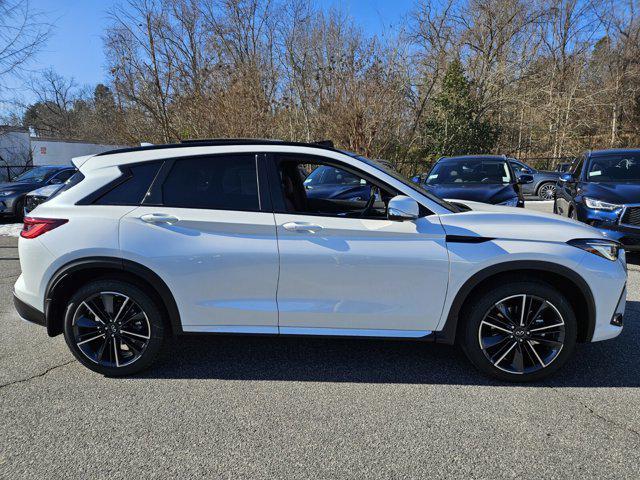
(18, 147)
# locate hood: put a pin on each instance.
(495, 221)
(18, 186)
(477, 192)
(612, 192)
(46, 191)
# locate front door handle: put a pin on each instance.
(301, 227)
(159, 218)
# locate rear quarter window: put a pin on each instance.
(131, 188)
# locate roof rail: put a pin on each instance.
(215, 142)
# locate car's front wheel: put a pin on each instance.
(520, 331)
(113, 327)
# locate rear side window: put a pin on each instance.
(225, 182)
(132, 188)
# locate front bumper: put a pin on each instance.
(28, 313)
(607, 223)
(8, 205)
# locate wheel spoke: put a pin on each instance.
(117, 317)
(533, 349)
(97, 317)
(125, 332)
(547, 327)
(505, 354)
(115, 352)
(518, 358)
(523, 310)
(547, 341)
(90, 339)
(504, 312)
(103, 347)
(542, 307)
(497, 327)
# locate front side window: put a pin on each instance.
(469, 171)
(225, 182)
(614, 168)
(328, 190)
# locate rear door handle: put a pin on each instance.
(301, 227)
(159, 218)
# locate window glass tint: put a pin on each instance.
(220, 183)
(614, 168)
(133, 189)
(469, 170)
(74, 180)
(327, 190)
(64, 176)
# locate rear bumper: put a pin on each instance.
(29, 313)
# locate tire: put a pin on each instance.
(573, 214)
(18, 211)
(94, 327)
(510, 352)
(547, 191)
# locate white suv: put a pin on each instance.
(238, 236)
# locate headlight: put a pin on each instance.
(512, 202)
(6, 193)
(600, 205)
(603, 248)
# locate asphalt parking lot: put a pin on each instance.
(242, 407)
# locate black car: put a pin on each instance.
(603, 190)
(543, 184)
(480, 178)
(12, 194)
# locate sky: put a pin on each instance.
(75, 47)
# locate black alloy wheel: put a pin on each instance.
(522, 334)
(518, 330)
(113, 327)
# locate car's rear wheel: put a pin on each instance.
(113, 327)
(522, 331)
(547, 191)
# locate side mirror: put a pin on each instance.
(566, 177)
(525, 178)
(403, 208)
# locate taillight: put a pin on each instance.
(34, 227)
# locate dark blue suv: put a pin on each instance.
(603, 190)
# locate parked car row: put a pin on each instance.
(32, 188)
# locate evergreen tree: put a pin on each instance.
(456, 127)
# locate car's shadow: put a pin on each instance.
(614, 363)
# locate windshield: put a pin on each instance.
(615, 168)
(36, 175)
(405, 181)
(469, 171)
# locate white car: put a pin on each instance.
(224, 236)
